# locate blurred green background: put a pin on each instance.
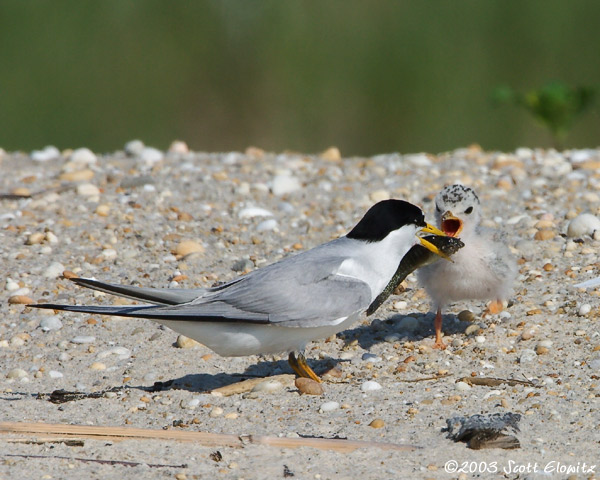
(367, 76)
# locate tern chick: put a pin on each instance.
(484, 269)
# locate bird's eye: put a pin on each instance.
(469, 210)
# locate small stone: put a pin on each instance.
(243, 265)
(134, 147)
(527, 355)
(332, 154)
(77, 176)
(48, 153)
(377, 423)
(180, 476)
(379, 195)
(329, 407)
(188, 247)
(407, 324)
(35, 238)
(20, 300)
(371, 358)
(216, 412)
(466, 316)
(103, 210)
(51, 238)
(584, 309)
(88, 190)
(285, 184)
(179, 146)
(16, 373)
(544, 235)
(527, 335)
(308, 386)
(231, 416)
(584, 224)
(186, 342)
(51, 323)
(150, 156)
(471, 329)
(267, 225)
(252, 212)
(370, 386)
(540, 350)
(268, 386)
(83, 339)
(55, 374)
(55, 270)
(480, 339)
(462, 386)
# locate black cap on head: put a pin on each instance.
(385, 217)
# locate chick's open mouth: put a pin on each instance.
(451, 226)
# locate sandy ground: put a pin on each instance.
(121, 218)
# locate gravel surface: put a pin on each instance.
(187, 219)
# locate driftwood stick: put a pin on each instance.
(423, 379)
(116, 434)
(494, 382)
(247, 385)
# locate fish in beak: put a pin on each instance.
(431, 230)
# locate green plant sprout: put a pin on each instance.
(555, 105)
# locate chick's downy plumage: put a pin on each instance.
(484, 269)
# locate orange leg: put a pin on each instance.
(437, 325)
(494, 307)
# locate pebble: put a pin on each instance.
(480, 339)
(88, 190)
(466, 316)
(527, 355)
(379, 195)
(83, 339)
(594, 363)
(150, 156)
(55, 374)
(285, 184)
(11, 285)
(268, 386)
(462, 386)
(584, 224)
(377, 423)
(544, 235)
(584, 309)
(188, 247)
(35, 238)
(54, 270)
(83, 157)
(252, 212)
(50, 323)
(332, 154)
(134, 147)
(471, 329)
(267, 225)
(20, 299)
(77, 176)
(48, 153)
(329, 407)
(370, 385)
(179, 147)
(308, 386)
(371, 358)
(407, 324)
(122, 353)
(103, 210)
(216, 412)
(242, 265)
(16, 373)
(186, 342)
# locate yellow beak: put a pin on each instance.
(430, 229)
